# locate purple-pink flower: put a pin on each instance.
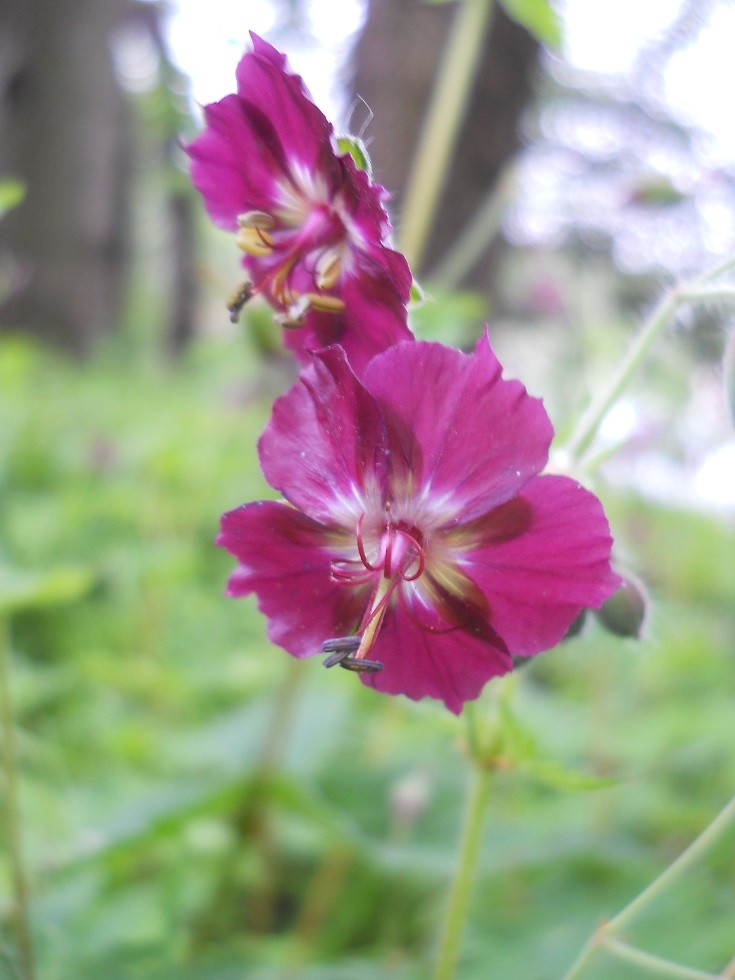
(312, 226)
(419, 545)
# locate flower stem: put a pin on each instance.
(441, 124)
(21, 892)
(692, 853)
(653, 964)
(696, 291)
(604, 936)
(459, 896)
(590, 422)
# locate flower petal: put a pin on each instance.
(231, 168)
(285, 560)
(540, 571)
(459, 433)
(451, 666)
(280, 107)
(374, 318)
(325, 447)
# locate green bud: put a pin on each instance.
(624, 613)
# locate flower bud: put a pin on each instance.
(624, 612)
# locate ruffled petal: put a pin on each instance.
(364, 200)
(230, 167)
(284, 558)
(460, 435)
(451, 666)
(539, 561)
(374, 318)
(325, 447)
(278, 104)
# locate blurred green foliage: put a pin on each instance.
(197, 805)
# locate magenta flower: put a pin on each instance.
(312, 226)
(419, 545)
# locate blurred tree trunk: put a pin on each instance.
(395, 62)
(181, 327)
(64, 131)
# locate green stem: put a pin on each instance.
(695, 850)
(697, 291)
(477, 236)
(459, 896)
(604, 936)
(21, 892)
(653, 964)
(590, 422)
(717, 271)
(441, 124)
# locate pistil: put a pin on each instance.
(398, 552)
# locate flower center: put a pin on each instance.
(302, 264)
(399, 557)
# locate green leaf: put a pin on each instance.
(20, 591)
(538, 17)
(557, 776)
(353, 146)
(12, 193)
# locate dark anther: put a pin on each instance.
(336, 658)
(238, 299)
(339, 648)
(361, 666)
(346, 644)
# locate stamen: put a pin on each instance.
(399, 550)
(341, 649)
(254, 241)
(356, 576)
(361, 666)
(295, 315)
(420, 558)
(328, 268)
(361, 546)
(238, 299)
(341, 644)
(256, 219)
(325, 303)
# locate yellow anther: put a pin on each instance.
(295, 315)
(325, 303)
(253, 241)
(328, 269)
(256, 219)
